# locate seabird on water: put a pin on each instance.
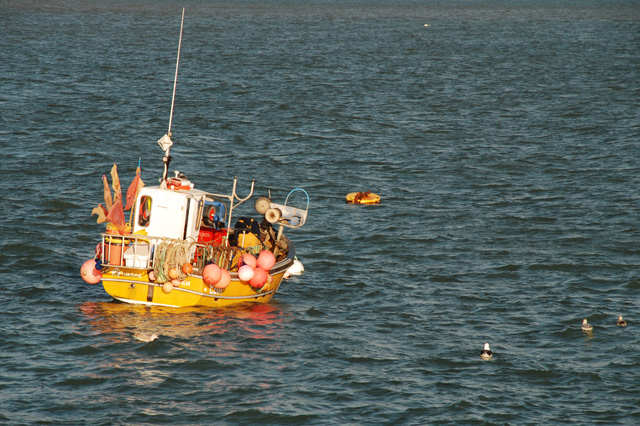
(621, 322)
(586, 326)
(145, 336)
(486, 352)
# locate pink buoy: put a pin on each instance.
(248, 259)
(176, 283)
(211, 274)
(89, 273)
(259, 278)
(225, 279)
(266, 260)
(245, 273)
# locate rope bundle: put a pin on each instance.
(171, 255)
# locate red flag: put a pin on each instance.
(132, 192)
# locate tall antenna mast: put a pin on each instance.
(165, 142)
(175, 79)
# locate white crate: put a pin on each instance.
(137, 255)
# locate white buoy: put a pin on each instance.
(586, 326)
(296, 269)
(621, 322)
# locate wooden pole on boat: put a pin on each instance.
(173, 98)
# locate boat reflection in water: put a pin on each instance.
(120, 323)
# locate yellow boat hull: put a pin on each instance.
(132, 285)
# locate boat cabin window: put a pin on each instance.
(144, 215)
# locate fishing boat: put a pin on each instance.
(179, 248)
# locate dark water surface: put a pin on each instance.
(503, 138)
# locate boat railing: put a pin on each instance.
(139, 252)
(132, 250)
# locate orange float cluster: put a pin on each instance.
(252, 271)
(255, 272)
(215, 276)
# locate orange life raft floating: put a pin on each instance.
(363, 198)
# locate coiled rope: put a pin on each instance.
(171, 255)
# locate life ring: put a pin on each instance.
(177, 184)
(363, 198)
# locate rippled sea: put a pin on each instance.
(502, 136)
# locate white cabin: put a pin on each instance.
(169, 213)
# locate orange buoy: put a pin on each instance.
(187, 268)
(173, 273)
(211, 274)
(167, 287)
(225, 279)
(248, 259)
(259, 278)
(266, 260)
(89, 273)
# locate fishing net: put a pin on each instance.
(171, 255)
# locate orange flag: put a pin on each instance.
(133, 190)
(107, 193)
(101, 212)
(115, 181)
(116, 215)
